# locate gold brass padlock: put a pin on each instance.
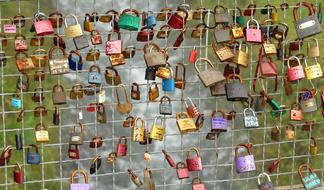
(137, 133)
(223, 53)
(274, 14)
(185, 123)
(269, 47)
(290, 132)
(93, 54)
(163, 72)
(237, 31)
(41, 133)
(117, 59)
(313, 147)
(87, 24)
(199, 31)
(157, 130)
(313, 50)
(164, 32)
(39, 58)
(242, 57)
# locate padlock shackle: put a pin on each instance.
(181, 115)
(75, 52)
(135, 122)
(80, 171)
(41, 126)
(32, 146)
(43, 51)
(111, 69)
(202, 59)
(293, 57)
(153, 46)
(21, 53)
(220, 7)
(304, 4)
(193, 149)
(200, 121)
(81, 127)
(58, 86)
(17, 167)
(312, 40)
(190, 101)
(164, 99)
(39, 15)
(153, 85)
(75, 146)
(50, 53)
(180, 164)
(122, 138)
(147, 171)
(296, 105)
(218, 111)
(250, 110)
(293, 127)
(94, 67)
(303, 167)
(96, 159)
(233, 76)
(135, 87)
(314, 141)
(241, 146)
(125, 92)
(70, 16)
(195, 180)
(253, 20)
(130, 11)
(161, 119)
(262, 175)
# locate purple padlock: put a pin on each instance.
(244, 163)
(79, 186)
(218, 124)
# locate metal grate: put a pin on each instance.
(219, 171)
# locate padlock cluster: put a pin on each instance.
(233, 37)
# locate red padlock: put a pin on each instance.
(169, 159)
(182, 170)
(253, 35)
(296, 72)
(296, 112)
(176, 21)
(145, 35)
(92, 107)
(194, 163)
(197, 184)
(193, 55)
(18, 174)
(192, 109)
(74, 153)
(42, 25)
(122, 147)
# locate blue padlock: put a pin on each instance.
(150, 20)
(33, 157)
(75, 61)
(16, 101)
(168, 84)
(94, 76)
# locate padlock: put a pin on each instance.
(296, 112)
(114, 46)
(275, 133)
(164, 72)
(39, 75)
(129, 52)
(129, 21)
(135, 91)
(101, 113)
(74, 30)
(43, 26)
(235, 91)
(177, 21)
(224, 53)
(313, 51)
(267, 28)
(16, 101)
(182, 170)
(39, 58)
(148, 180)
(33, 157)
(180, 82)
(290, 132)
(313, 71)
(313, 147)
(185, 123)
(218, 124)
(56, 116)
(145, 34)
(18, 136)
(311, 181)
(56, 19)
(21, 43)
(307, 26)
(238, 18)
(74, 153)
(18, 174)
(76, 137)
(93, 54)
(265, 185)
(150, 20)
(3, 59)
(135, 179)
(296, 72)
(158, 130)
(244, 163)
(168, 85)
(237, 31)
(197, 184)
(95, 165)
(96, 37)
(250, 119)
(101, 95)
(242, 56)
(194, 163)
(123, 107)
(274, 165)
(147, 138)
(191, 108)
(155, 58)
(164, 32)
(94, 75)
(308, 102)
(169, 159)
(87, 23)
(137, 133)
(58, 95)
(164, 14)
(269, 47)
(112, 78)
(150, 73)
(75, 60)
(199, 31)
(79, 186)
(122, 146)
(117, 59)
(58, 66)
(96, 142)
(210, 76)
(22, 84)
(19, 20)
(280, 31)
(153, 92)
(165, 106)
(57, 41)
(253, 35)
(218, 89)
(221, 16)
(193, 55)
(222, 34)
(80, 42)
(41, 133)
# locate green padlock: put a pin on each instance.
(129, 21)
(238, 18)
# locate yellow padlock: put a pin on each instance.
(41, 132)
(87, 24)
(313, 71)
(137, 133)
(290, 132)
(185, 123)
(157, 130)
(274, 14)
(313, 147)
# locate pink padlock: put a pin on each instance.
(194, 163)
(114, 46)
(79, 186)
(169, 159)
(122, 147)
(197, 184)
(182, 170)
(42, 25)
(253, 35)
(296, 72)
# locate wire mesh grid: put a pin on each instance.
(218, 166)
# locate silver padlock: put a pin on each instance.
(250, 119)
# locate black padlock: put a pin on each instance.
(56, 117)
(19, 142)
(150, 73)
